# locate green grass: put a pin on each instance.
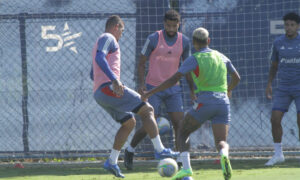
(242, 170)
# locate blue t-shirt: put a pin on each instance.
(152, 41)
(287, 53)
(207, 97)
(106, 44)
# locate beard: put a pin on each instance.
(171, 34)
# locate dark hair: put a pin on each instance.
(112, 21)
(292, 16)
(172, 15)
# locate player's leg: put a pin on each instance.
(298, 122)
(297, 102)
(131, 100)
(174, 105)
(141, 133)
(176, 119)
(193, 120)
(281, 103)
(105, 98)
(220, 132)
(120, 139)
(220, 129)
(189, 125)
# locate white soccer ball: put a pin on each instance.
(167, 167)
(163, 125)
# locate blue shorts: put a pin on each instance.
(283, 98)
(172, 97)
(217, 113)
(120, 108)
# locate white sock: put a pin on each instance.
(179, 159)
(185, 158)
(224, 152)
(278, 148)
(130, 149)
(114, 155)
(158, 146)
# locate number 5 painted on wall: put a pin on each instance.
(57, 37)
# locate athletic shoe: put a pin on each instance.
(275, 159)
(179, 164)
(166, 153)
(114, 169)
(128, 159)
(226, 167)
(183, 173)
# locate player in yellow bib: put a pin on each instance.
(209, 71)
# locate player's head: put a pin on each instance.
(200, 38)
(171, 22)
(291, 24)
(115, 26)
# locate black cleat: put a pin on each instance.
(179, 164)
(128, 159)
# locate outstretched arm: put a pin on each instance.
(166, 84)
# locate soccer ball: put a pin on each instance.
(163, 125)
(187, 178)
(167, 167)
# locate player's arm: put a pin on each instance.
(234, 81)
(234, 75)
(165, 85)
(186, 53)
(148, 47)
(141, 73)
(92, 74)
(272, 75)
(106, 45)
(272, 72)
(188, 65)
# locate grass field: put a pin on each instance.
(204, 169)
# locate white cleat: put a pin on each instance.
(275, 159)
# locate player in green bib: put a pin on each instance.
(209, 71)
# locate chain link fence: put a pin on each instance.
(46, 102)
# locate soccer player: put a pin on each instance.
(164, 49)
(118, 100)
(209, 72)
(285, 57)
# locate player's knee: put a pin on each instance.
(275, 121)
(146, 111)
(130, 123)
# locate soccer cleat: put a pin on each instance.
(128, 159)
(275, 159)
(226, 167)
(183, 173)
(114, 169)
(179, 164)
(166, 153)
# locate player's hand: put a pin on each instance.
(145, 96)
(269, 91)
(193, 96)
(118, 88)
(141, 89)
(229, 94)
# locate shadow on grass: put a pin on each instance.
(140, 167)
